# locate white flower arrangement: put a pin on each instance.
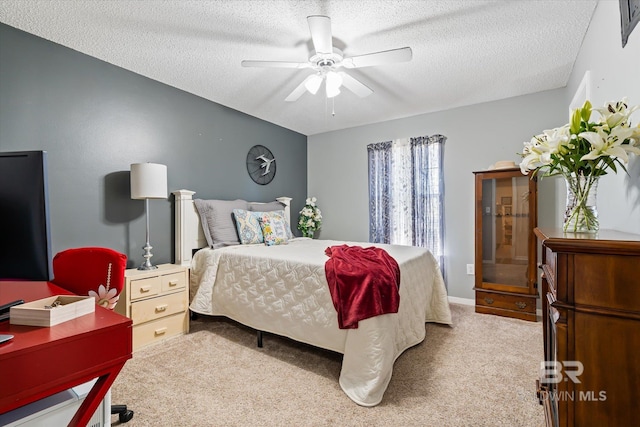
(582, 151)
(583, 147)
(310, 218)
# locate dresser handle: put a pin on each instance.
(488, 300)
(161, 308)
(173, 283)
(160, 331)
(521, 305)
(144, 289)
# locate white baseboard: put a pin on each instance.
(463, 301)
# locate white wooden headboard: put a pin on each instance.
(189, 234)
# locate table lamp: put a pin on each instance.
(148, 181)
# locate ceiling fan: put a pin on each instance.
(327, 61)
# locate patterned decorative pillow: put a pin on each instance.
(276, 207)
(274, 229)
(248, 226)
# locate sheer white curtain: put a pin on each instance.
(406, 193)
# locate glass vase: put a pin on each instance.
(581, 213)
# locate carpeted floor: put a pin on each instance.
(480, 372)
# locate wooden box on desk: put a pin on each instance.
(35, 313)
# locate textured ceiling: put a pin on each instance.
(464, 52)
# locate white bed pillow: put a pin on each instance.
(216, 217)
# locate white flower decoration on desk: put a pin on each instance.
(106, 297)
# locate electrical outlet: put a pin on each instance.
(471, 270)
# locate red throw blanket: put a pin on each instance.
(364, 282)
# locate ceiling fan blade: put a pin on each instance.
(402, 54)
(299, 90)
(275, 64)
(354, 85)
(320, 28)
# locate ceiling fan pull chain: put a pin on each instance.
(333, 107)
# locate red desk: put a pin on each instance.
(42, 361)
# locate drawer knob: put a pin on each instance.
(144, 289)
(173, 283)
(521, 305)
(161, 308)
(488, 300)
(160, 331)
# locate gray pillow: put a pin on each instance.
(266, 207)
(217, 221)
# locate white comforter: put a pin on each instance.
(283, 290)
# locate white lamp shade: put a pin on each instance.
(313, 83)
(333, 83)
(148, 181)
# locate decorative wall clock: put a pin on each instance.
(261, 164)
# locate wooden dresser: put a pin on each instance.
(157, 303)
(591, 315)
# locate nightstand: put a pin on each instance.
(157, 301)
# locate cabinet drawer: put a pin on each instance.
(171, 282)
(142, 288)
(158, 330)
(524, 303)
(155, 308)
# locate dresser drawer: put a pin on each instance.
(171, 282)
(155, 308)
(158, 330)
(142, 288)
(523, 303)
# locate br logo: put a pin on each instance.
(551, 372)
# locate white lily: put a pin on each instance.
(615, 113)
(604, 144)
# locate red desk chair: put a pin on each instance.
(97, 272)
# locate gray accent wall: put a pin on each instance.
(94, 119)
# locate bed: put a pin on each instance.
(283, 290)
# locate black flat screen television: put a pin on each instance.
(25, 249)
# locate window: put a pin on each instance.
(406, 193)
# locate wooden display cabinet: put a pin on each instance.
(505, 245)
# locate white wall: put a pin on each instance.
(615, 73)
(478, 136)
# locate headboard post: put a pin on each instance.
(286, 201)
(183, 210)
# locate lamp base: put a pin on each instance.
(146, 265)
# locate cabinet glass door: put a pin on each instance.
(505, 231)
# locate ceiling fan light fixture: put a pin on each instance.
(333, 83)
(313, 83)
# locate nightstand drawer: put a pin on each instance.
(155, 308)
(158, 330)
(142, 288)
(171, 282)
